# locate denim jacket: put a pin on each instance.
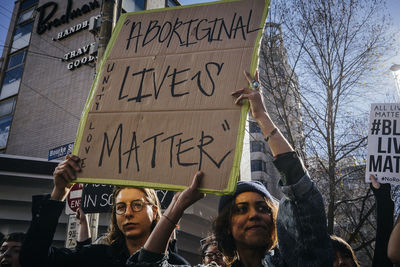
(303, 238)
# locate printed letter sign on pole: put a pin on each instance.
(384, 143)
(160, 107)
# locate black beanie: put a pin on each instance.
(244, 186)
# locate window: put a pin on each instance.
(253, 127)
(169, 3)
(26, 15)
(15, 66)
(22, 36)
(133, 5)
(6, 110)
(140, 5)
(258, 165)
(16, 59)
(7, 107)
(27, 3)
(5, 124)
(12, 77)
(256, 146)
(11, 82)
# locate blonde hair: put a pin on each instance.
(115, 236)
(341, 246)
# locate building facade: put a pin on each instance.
(49, 66)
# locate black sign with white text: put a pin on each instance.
(97, 198)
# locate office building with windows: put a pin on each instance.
(49, 65)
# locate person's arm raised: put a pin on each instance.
(84, 229)
(393, 248)
(158, 240)
(302, 209)
(36, 249)
(394, 243)
(64, 175)
(384, 221)
(276, 141)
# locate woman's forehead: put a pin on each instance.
(212, 247)
(130, 194)
(249, 197)
(9, 244)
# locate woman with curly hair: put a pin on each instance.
(248, 229)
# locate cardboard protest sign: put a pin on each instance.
(160, 108)
(384, 143)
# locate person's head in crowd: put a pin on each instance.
(135, 213)
(9, 250)
(344, 254)
(210, 252)
(246, 220)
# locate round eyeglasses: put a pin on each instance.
(136, 206)
(214, 255)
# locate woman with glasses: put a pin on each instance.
(210, 254)
(135, 213)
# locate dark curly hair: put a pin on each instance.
(115, 236)
(223, 230)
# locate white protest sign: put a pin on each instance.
(383, 159)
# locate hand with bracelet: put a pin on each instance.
(273, 136)
(158, 239)
(248, 226)
(253, 95)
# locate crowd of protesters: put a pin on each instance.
(252, 228)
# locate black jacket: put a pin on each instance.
(36, 250)
(384, 225)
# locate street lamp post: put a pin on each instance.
(395, 68)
